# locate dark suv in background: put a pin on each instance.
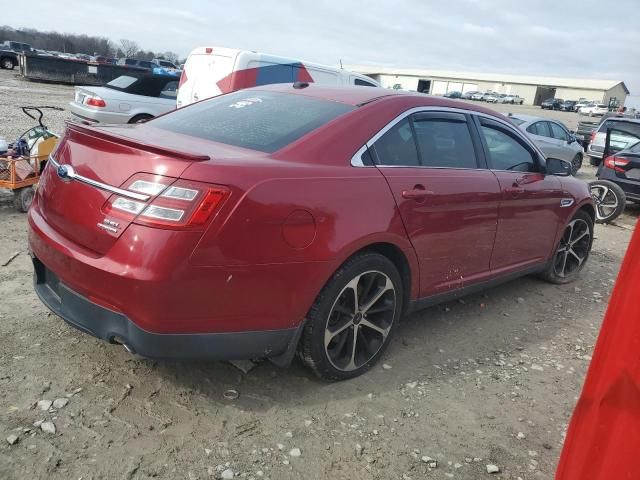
(552, 104)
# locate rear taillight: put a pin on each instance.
(593, 136)
(95, 101)
(183, 78)
(616, 163)
(171, 203)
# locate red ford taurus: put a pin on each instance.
(295, 219)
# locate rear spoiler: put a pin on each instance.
(130, 142)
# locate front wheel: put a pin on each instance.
(573, 250)
(351, 322)
(7, 64)
(609, 198)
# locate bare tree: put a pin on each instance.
(171, 56)
(129, 47)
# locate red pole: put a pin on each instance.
(603, 440)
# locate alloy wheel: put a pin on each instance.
(606, 201)
(360, 320)
(574, 248)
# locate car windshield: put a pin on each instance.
(263, 121)
(516, 121)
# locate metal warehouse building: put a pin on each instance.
(533, 89)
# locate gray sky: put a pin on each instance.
(581, 38)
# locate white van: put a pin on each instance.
(212, 71)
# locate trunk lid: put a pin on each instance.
(110, 156)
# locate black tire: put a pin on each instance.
(365, 271)
(141, 118)
(609, 198)
(7, 63)
(576, 164)
(567, 254)
(594, 161)
(22, 198)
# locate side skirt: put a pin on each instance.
(426, 302)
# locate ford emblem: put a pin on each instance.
(65, 172)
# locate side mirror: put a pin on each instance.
(560, 168)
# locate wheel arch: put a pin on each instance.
(402, 256)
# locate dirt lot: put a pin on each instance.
(491, 379)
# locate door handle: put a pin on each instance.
(416, 193)
(516, 188)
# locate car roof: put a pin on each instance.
(531, 118)
(359, 95)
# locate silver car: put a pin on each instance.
(126, 99)
(553, 138)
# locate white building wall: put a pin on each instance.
(618, 91)
(440, 86)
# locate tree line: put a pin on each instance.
(87, 44)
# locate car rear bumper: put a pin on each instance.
(114, 327)
(631, 188)
(97, 116)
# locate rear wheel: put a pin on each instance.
(143, 117)
(573, 250)
(576, 164)
(22, 198)
(351, 322)
(609, 198)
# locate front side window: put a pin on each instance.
(363, 83)
(445, 143)
(506, 152)
(558, 132)
(397, 147)
(170, 90)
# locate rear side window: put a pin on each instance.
(506, 152)
(397, 147)
(445, 143)
(539, 128)
(263, 121)
(121, 83)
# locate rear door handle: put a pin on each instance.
(416, 193)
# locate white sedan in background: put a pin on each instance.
(126, 99)
(593, 109)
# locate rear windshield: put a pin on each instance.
(516, 121)
(263, 121)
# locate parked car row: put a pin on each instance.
(581, 106)
(493, 97)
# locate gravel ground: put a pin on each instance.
(488, 380)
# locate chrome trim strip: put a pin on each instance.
(356, 161)
(102, 186)
(566, 202)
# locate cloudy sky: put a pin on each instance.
(580, 38)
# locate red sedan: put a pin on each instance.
(300, 218)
